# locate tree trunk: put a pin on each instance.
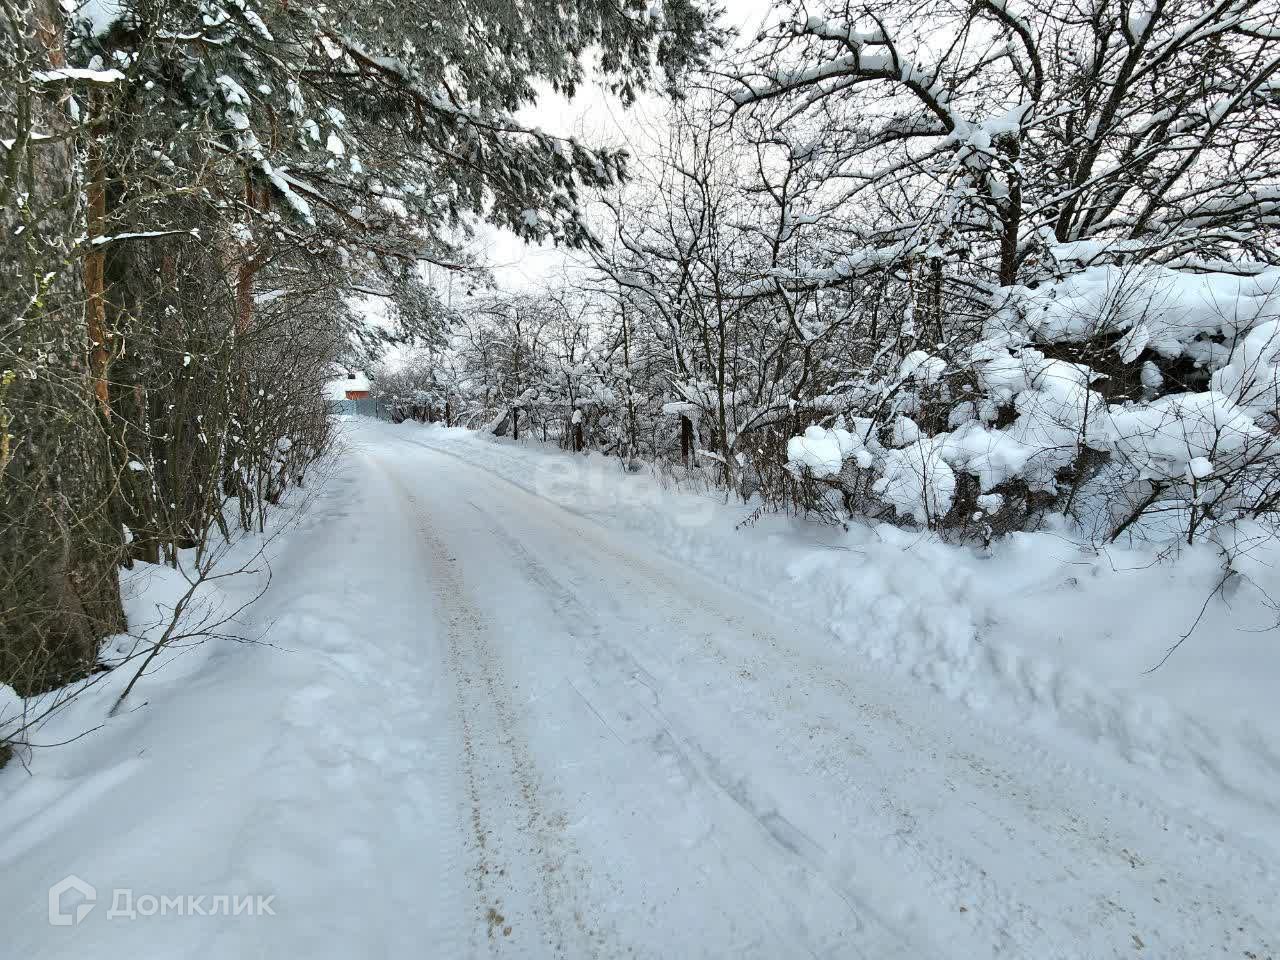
(95, 262)
(58, 545)
(250, 262)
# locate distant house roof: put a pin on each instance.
(337, 388)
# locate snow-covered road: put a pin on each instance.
(492, 726)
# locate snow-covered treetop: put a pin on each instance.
(387, 128)
(1029, 137)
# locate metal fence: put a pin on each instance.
(364, 407)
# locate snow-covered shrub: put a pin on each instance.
(1027, 248)
(1182, 435)
(11, 721)
(917, 482)
(1251, 375)
(823, 452)
(1076, 398)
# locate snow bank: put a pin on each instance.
(12, 709)
(100, 15)
(1252, 372)
(211, 623)
(1044, 633)
(249, 769)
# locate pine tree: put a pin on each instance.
(58, 551)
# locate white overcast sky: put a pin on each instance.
(598, 119)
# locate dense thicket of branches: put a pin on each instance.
(952, 264)
(57, 549)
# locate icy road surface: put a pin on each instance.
(495, 728)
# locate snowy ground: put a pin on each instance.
(519, 704)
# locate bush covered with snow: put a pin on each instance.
(1112, 394)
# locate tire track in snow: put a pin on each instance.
(1199, 826)
(522, 851)
(1068, 850)
(868, 934)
